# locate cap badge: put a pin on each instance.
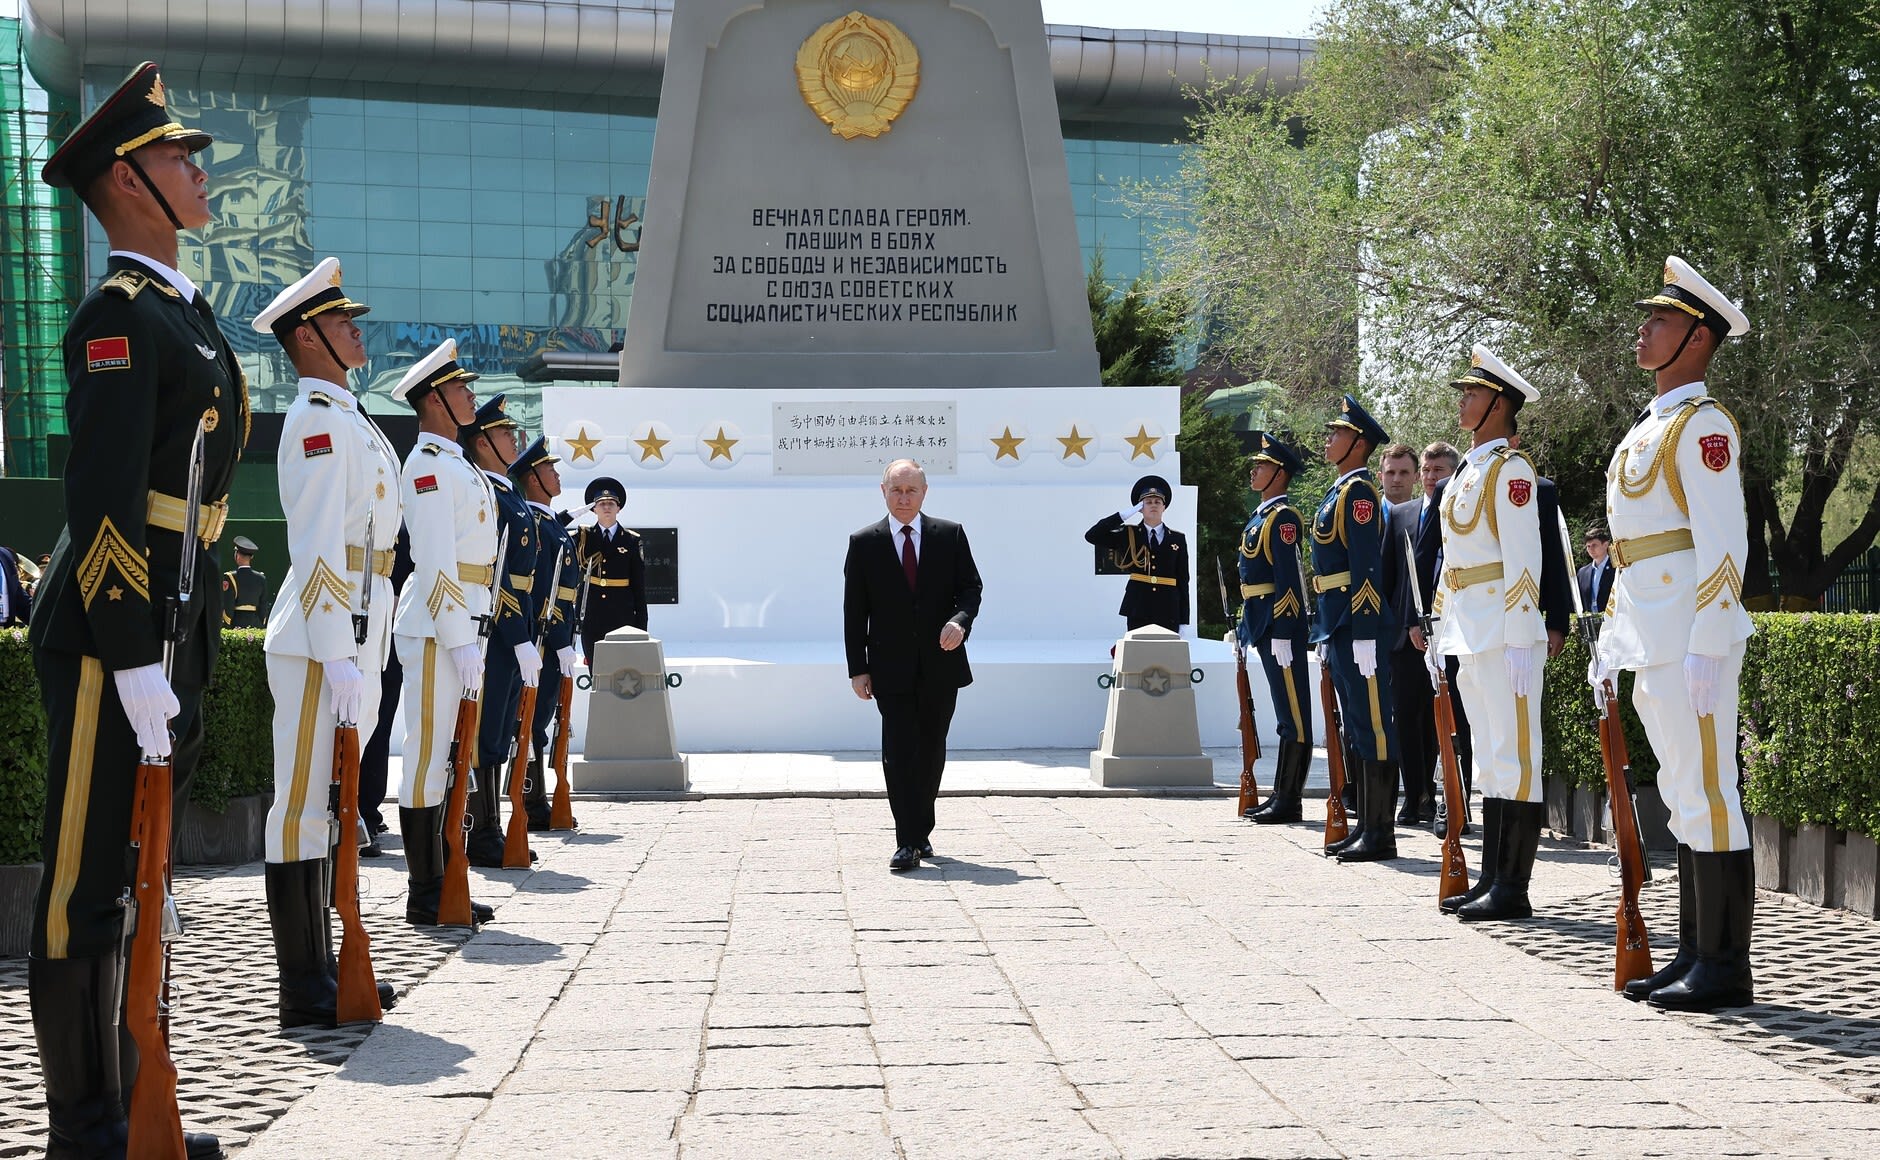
(155, 95)
(335, 279)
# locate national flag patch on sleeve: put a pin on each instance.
(314, 445)
(108, 354)
(424, 483)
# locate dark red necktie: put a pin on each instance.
(909, 564)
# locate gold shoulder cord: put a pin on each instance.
(1337, 534)
(1486, 502)
(1665, 461)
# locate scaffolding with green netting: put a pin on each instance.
(39, 263)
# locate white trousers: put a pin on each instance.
(304, 722)
(431, 696)
(1505, 729)
(1697, 768)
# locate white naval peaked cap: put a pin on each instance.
(1685, 289)
(433, 370)
(1485, 370)
(313, 295)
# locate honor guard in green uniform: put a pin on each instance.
(511, 659)
(617, 583)
(1154, 555)
(147, 368)
(327, 643)
(555, 577)
(1347, 565)
(450, 519)
(245, 599)
(1674, 502)
(1273, 620)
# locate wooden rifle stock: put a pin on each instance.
(156, 1123)
(1337, 827)
(516, 838)
(1454, 878)
(358, 1000)
(1632, 953)
(1249, 735)
(561, 813)
(453, 904)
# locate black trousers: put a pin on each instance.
(1415, 713)
(1465, 749)
(502, 697)
(91, 777)
(914, 755)
(375, 758)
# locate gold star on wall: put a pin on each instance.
(652, 447)
(721, 446)
(583, 447)
(1007, 445)
(1142, 443)
(1074, 443)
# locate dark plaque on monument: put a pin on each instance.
(660, 546)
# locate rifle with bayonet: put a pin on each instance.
(1454, 877)
(1249, 731)
(561, 811)
(522, 754)
(155, 1127)
(358, 998)
(1632, 952)
(1337, 825)
(453, 904)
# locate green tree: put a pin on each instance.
(1514, 172)
(1138, 332)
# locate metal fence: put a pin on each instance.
(1858, 588)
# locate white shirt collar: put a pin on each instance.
(449, 445)
(501, 481)
(343, 396)
(542, 507)
(1267, 503)
(178, 280)
(1479, 455)
(1354, 471)
(1663, 403)
(898, 525)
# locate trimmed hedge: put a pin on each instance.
(238, 747)
(1811, 720)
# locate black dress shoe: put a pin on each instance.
(925, 849)
(201, 1146)
(372, 849)
(905, 858)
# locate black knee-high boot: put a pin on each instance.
(1725, 895)
(1681, 962)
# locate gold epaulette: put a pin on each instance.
(429, 449)
(128, 283)
(320, 397)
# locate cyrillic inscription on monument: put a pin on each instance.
(862, 438)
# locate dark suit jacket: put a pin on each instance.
(1403, 522)
(893, 634)
(1596, 601)
(1556, 569)
(18, 604)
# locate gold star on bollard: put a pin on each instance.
(1007, 445)
(721, 446)
(1074, 443)
(652, 447)
(1142, 443)
(583, 447)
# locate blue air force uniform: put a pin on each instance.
(1273, 612)
(556, 574)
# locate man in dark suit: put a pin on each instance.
(1154, 555)
(1415, 520)
(14, 602)
(910, 593)
(1596, 578)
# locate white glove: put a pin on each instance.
(1700, 679)
(347, 687)
(1596, 675)
(468, 659)
(1282, 653)
(530, 662)
(1520, 660)
(149, 703)
(564, 656)
(1128, 514)
(1437, 664)
(1318, 651)
(1364, 652)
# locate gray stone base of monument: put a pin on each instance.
(1150, 733)
(630, 746)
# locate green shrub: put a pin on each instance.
(1810, 722)
(1570, 725)
(238, 746)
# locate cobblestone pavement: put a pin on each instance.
(1101, 977)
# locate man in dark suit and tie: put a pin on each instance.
(1596, 578)
(1415, 520)
(910, 593)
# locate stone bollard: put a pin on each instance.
(1150, 735)
(629, 725)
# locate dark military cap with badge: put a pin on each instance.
(536, 454)
(245, 545)
(1354, 417)
(129, 119)
(494, 415)
(604, 487)
(1279, 453)
(1150, 485)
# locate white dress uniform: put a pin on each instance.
(451, 518)
(1674, 502)
(1488, 599)
(338, 473)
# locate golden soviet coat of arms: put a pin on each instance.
(858, 73)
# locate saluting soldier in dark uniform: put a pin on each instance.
(1155, 555)
(1348, 575)
(147, 367)
(1273, 620)
(512, 660)
(245, 599)
(555, 577)
(617, 586)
